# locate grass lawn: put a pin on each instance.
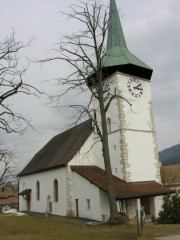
(36, 228)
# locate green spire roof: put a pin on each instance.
(117, 53)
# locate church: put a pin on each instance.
(67, 177)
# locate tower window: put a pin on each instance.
(109, 125)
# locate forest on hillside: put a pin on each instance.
(170, 156)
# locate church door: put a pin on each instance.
(77, 207)
(146, 204)
(28, 203)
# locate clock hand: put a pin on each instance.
(138, 87)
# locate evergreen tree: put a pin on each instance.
(170, 213)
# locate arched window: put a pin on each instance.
(108, 125)
(37, 190)
(55, 190)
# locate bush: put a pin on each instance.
(170, 213)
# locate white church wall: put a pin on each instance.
(46, 180)
(156, 205)
(97, 152)
(142, 165)
(86, 193)
(113, 130)
(131, 207)
(137, 115)
(137, 133)
(132, 139)
(22, 186)
(112, 111)
(105, 209)
(114, 150)
(115, 154)
(89, 154)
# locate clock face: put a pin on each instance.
(135, 87)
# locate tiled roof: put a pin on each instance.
(150, 188)
(123, 190)
(59, 150)
(8, 198)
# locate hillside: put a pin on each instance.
(170, 155)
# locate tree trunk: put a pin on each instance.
(107, 162)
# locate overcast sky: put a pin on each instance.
(152, 32)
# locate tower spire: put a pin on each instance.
(115, 32)
(118, 57)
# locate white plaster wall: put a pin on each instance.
(137, 116)
(82, 190)
(131, 207)
(114, 135)
(46, 180)
(22, 186)
(139, 135)
(94, 156)
(115, 154)
(105, 209)
(142, 164)
(156, 205)
(89, 154)
(112, 112)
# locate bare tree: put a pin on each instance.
(7, 165)
(84, 52)
(7, 170)
(12, 84)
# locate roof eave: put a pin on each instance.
(42, 170)
(144, 195)
(129, 69)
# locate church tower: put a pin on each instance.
(132, 135)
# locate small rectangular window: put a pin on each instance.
(88, 203)
(109, 125)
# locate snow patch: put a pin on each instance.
(15, 212)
